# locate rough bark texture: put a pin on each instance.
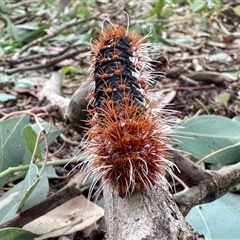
(152, 215)
(204, 185)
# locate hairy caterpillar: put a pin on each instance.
(126, 144)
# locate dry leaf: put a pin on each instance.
(74, 215)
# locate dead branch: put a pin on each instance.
(34, 57)
(189, 172)
(150, 215)
(212, 77)
(194, 77)
(48, 64)
(205, 186)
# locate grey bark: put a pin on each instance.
(204, 185)
(149, 215)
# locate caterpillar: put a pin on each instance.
(127, 142)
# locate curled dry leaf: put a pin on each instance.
(74, 215)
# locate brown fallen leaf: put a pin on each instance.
(74, 215)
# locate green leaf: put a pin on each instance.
(185, 38)
(159, 6)
(26, 36)
(11, 29)
(223, 28)
(220, 57)
(16, 233)
(223, 98)
(11, 143)
(157, 10)
(37, 192)
(211, 4)
(67, 38)
(231, 75)
(197, 5)
(67, 70)
(24, 83)
(83, 13)
(32, 186)
(202, 105)
(4, 97)
(237, 10)
(29, 26)
(30, 138)
(236, 119)
(6, 8)
(5, 78)
(32, 190)
(50, 172)
(209, 219)
(29, 31)
(215, 136)
(27, 157)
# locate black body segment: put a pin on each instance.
(114, 74)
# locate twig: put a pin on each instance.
(184, 58)
(212, 77)
(194, 88)
(185, 46)
(49, 163)
(19, 4)
(45, 54)
(65, 139)
(45, 65)
(42, 208)
(188, 80)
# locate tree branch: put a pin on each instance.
(48, 64)
(151, 215)
(206, 186)
(190, 173)
(46, 54)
